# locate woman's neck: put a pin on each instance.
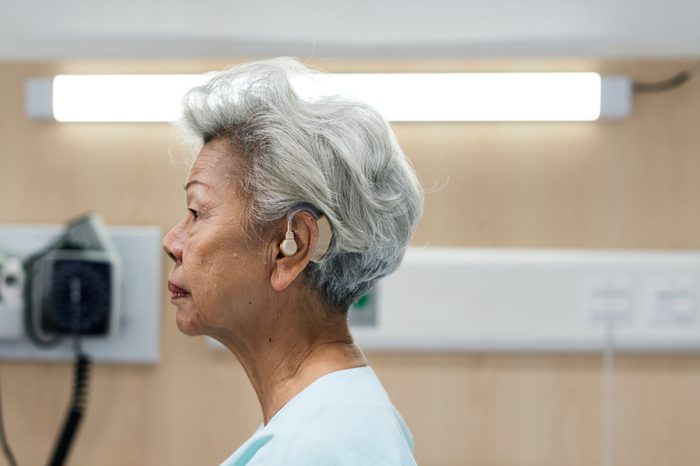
(300, 345)
(276, 390)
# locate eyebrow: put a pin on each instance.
(193, 182)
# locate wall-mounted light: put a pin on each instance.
(398, 96)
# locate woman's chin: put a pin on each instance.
(188, 323)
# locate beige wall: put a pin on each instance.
(633, 183)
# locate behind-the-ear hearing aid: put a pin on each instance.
(288, 247)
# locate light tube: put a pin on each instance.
(126, 98)
(397, 96)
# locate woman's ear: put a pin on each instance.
(287, 262)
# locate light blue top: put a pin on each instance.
(343, 418)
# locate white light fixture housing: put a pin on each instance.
(397, 96)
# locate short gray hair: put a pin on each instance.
(333, 152)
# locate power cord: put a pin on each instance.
(673, 82)
(80, 381)
(75, 410)
(7, 451)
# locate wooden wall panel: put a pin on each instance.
(624, 184)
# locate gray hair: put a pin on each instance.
(333, 152)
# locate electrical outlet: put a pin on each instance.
(609, 299)
(674, 301)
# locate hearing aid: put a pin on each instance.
(288, 247)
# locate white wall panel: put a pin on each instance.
(535, 300)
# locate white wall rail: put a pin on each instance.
(534, 300)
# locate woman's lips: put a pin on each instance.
(176, 292)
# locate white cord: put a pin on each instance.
(608, 395)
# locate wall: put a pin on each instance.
(609, 184)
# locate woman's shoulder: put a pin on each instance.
(344, 418)
(352, 435)
(340, 435)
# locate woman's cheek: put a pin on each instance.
(197, 272)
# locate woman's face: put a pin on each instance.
(219, 277)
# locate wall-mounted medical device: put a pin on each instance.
(74, 285)
(64, 293)
(72, 288)
(103, 284)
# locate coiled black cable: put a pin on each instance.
(3, 440)
(75, 410)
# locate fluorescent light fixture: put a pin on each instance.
(397, 96)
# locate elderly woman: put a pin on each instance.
(295, 207)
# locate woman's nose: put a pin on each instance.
(172, 244)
